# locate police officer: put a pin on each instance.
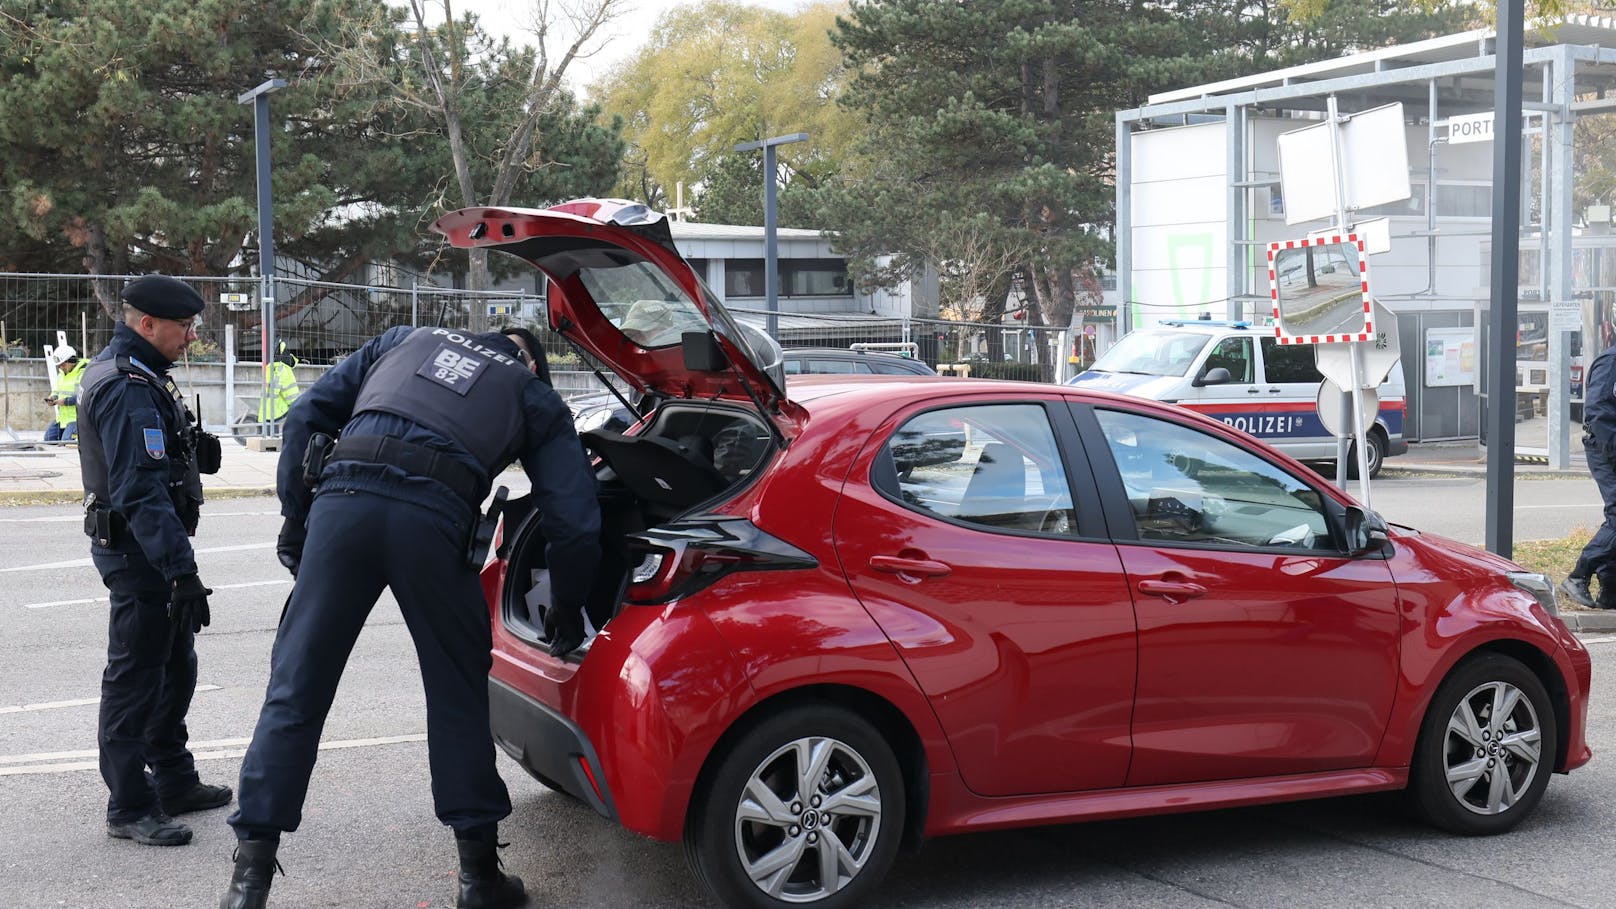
(1598, 558)
(427, 418)
(140, 454)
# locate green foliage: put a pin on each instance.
(719, 73)
(983, 368)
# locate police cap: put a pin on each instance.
(162, 296)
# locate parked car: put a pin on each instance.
(607, 411)
(1243, 376)
(927, 608)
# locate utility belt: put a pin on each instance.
(105, 527)
(416, 460)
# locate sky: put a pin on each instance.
(627, 33)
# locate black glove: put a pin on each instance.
(188, 604)
(565, 628)
(289, 545)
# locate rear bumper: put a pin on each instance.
(548, 745)
(1396, 446)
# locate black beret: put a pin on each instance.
(162, 296)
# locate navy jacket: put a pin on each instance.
(563, 485)
(1599, 400)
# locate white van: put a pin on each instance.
(1271, 390)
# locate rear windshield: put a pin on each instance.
(643, 302)
(1153, 353)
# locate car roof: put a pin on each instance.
(849, 355)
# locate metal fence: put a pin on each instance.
(321, 322)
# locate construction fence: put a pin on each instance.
(319, 323)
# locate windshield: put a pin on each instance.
(643, 302)
(1153, 353)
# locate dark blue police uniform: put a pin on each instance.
(427, 418)
(1598, 558)
(143, 493)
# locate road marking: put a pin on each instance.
(1600, 639)
(76, 702)
(84, 563)
(222, 749)
(76, 518)
(216, 588)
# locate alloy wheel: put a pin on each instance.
(1493, 748)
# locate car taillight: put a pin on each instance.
(679, 559)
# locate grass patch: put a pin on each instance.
(1552, 557)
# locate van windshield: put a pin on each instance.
(1151, 352)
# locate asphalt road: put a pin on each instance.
(369, 838)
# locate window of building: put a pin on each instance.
(798, 278)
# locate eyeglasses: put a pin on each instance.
(191, 324)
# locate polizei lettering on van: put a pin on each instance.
(1265, 424)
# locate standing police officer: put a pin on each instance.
(1599, 445)
(141, 453)
(427, 418)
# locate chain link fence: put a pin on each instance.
(318, 323)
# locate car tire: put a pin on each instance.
(1474, 774)
(747, 845)
(1376, 453)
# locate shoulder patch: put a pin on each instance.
(156, 447)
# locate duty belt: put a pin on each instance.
(416, 460)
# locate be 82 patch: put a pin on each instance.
(454, 369)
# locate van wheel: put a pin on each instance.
(1376, 455)
(1486, 748)
(804, 809)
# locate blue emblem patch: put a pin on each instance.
(155, 446)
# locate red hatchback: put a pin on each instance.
(899, 607)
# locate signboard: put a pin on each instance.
(501, 309)
(237, 302)
(1450, 357)
(1333, 410)
(1320, 289)
(1374, 164)
(1470, 128)
(1565, 315)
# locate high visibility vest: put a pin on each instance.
(278, 396)
(66, 387)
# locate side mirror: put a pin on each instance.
(1366, 531)
(1217, 375)
(701, 352)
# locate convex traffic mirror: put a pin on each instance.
(1320, 289)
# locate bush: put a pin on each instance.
(982, 368)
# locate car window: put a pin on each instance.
(1153, 353)
(1186, 486)
(643, 302)
(1289, 362)
(994, 466)
(824, 366)
(1233, 354)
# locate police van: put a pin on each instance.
(1242, 375)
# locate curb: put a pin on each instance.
(1582, 621)
(1394, 472)
(15, 497)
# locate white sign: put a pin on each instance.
(1470, 128)
(1332, 411)
(236, 302)
(1374, 164)
(1450, 357)
(1565, 315)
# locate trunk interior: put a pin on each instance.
(688, 457)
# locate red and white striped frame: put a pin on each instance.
(1363, 273)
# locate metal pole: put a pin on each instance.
(1506, 242)
(5, 377)
(84, 334)
(770, 245)
(229, 376)
(771, 265)
(1122, 241)
(1560, 166)
(259, 97)
(415, 304)
(1350, 397)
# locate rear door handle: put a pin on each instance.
(915, 568)
(1274, 391)
(1172, 591)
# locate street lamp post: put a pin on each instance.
(771, 270)
(259, 97)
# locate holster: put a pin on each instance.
(207, 452)
(105, 527)
(315, 456)
(482, 531)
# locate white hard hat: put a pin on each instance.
(65, 353)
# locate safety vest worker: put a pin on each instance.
(281, 389)
(66, 399)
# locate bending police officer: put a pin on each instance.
(141, 455)
(1598, 558)
(427, 418)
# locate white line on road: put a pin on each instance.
(71, 761)
(84, 563)
(77, 518)
(76, 702)
(217, 587)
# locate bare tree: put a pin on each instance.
(974, 263)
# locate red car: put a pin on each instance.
(900, 607)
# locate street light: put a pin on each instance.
(771, 271)
(259, 97)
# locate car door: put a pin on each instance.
(1237, 354)
(1263, 648)
(971, 531)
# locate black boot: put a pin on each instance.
(255, 870)
(482, 884)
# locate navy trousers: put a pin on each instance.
(358, 544)
(145, 690)
(1599, 556)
